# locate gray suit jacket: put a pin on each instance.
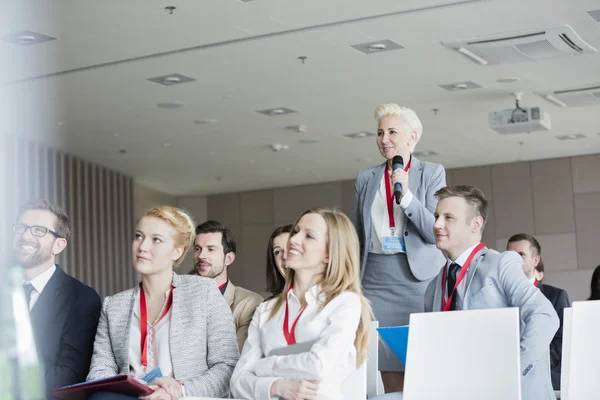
(496, 280)
(424, 179)
(204, 349)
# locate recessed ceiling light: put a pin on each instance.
(573, 136)
(425, 153)
(123, 151)
(27, 38)
(452, 87)
(206, 121)
(274, 112)
(170, 104)
(212, 153)
(171, 79)
(380, 46)
(167, 144)
(251, 162)
(359, 135)
(276, 147)
(508, 79)
(309, 141)
(60, 123)
(116, 135)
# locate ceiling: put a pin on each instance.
(87, 92)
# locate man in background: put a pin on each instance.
(531, 252)
(214, 252)
(64, 312)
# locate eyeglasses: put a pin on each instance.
(36, 230)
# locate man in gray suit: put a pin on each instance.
(476, 277)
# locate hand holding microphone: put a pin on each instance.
(399, 178)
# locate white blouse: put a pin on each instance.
(158, 351)
(380, 221)
(330, 360)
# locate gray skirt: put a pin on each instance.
(394, 293)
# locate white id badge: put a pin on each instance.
(394, 243)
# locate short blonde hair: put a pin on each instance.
(179, 220)
(411, 121)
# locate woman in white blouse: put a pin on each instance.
(321, 304)
(174, 331)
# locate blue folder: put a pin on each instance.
(396, 338)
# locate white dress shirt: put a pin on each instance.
(380, 220)
(462, 286)
(157, 340)
(39, 283)
(330, 360)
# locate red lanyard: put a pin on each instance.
(144, 322)
(463, 271)
(390, 196)
(290, 336)
(536, 283)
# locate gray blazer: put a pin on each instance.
(202, 337)
(424, 179)
(496, 280)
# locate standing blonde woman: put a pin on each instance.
(399, 256)
(179, 324)
(321, 302)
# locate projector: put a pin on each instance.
(519, 120)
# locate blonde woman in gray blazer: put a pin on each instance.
(189, 331)
(395, 278)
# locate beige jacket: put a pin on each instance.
(243, 303)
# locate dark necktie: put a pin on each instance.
(454, 268)
(28, 289)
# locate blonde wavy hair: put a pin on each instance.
(179, 220)
(342, 274)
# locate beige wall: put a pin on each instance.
(555, 200)
(145, 198)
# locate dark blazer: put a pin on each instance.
(64, 321)
(560, 300)
(424, 179)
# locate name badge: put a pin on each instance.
(394, 243)
(152, 375)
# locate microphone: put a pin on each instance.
(397, 163)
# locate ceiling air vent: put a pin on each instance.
(586, 96)
(523, 46)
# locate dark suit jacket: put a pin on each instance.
(560, 300)
(64, 321)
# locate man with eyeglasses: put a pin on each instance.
(64, 312)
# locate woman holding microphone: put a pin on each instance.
(398, 252)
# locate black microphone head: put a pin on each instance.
(397, 160)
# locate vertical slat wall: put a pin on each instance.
(99, 202)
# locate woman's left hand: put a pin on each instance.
(158, 394)
(170, 385)
(400, 176)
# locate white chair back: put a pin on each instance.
(480, 344)
(566, 353)
(579, 374)
(374, 382)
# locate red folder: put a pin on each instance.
(123, 384)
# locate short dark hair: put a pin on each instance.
(533, 243)
(275, 282)
(228, 240)
(62, 219)
(472, 195)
